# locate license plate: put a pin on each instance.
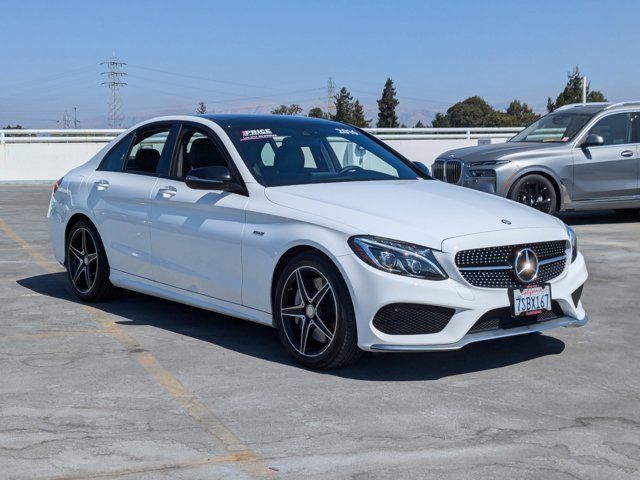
(530, 300)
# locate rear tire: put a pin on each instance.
(535, 191)
(315, 322)
(87, 264)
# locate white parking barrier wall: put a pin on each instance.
(44, 155)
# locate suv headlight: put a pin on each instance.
(574, 243)
(397, 257)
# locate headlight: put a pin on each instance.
(488, 163)
(574, 243)
(397, 257)
(482, 172)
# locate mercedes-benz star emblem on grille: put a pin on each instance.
(525, 265)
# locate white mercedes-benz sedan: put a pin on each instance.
(316, 228)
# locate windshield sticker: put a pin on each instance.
(564, 139)
(346, 131)
(256, 134)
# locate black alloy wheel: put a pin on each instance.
(536, 192)
(314, 314)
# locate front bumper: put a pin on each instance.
(373, 289)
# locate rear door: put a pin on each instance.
(196, 235)
(608, 171)
(120, 191)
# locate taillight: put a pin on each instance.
(56, 186)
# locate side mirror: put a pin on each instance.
(423, 168)
(593, 140)
(211, 178)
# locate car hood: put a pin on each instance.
(499, 151)
(425, 212)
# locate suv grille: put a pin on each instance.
(412, 319)
(492, 267)
(448, 171)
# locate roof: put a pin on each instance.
(596, 107)
(233, 120)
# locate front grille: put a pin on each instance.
(501, 318)
(448, 171)
(412, 319)
(492, 267)
(438, 170)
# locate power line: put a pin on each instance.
(114, 81)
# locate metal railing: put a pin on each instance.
(25, 135)
(106, 135)
(453, 133)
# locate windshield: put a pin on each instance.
(290, 152)
(556, 127)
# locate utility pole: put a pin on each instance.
(114, 81)
(66, 120)
(331, 93)
(76, 123)
(584, 89)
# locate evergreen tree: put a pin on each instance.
(387, 117)
(519, 114)
(419, 124)
(344, 106)
(358, 116)
(572, 92)
(202, 108)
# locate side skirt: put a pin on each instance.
(160, 290)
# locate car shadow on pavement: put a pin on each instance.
(262, 342)
(599, 217)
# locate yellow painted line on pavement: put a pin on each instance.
(230, 443)
(153, 467)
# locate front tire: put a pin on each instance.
(87, 264)
(535, 191)
(314, 315)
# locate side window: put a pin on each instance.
(147, 149)
(113, 161)
(615, 129)
(196, 150)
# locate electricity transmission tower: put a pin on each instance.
(331, 93)
(115, 77)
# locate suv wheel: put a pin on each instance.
(314, 315)
(535, 191)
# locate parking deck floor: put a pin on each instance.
(144, 388)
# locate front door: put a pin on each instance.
(196, 234)
(608, 171)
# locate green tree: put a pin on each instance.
(519, 114)
(317, 112)
(419, 124)
(344, 106)
(387, 117)
(293, 109)
(472, 112)
(572, 92)
(15, 127)
(202, 109)
(358, 116)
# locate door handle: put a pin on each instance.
(627, 153)
(167, 192)
(101, 185)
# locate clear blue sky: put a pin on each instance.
(246, 55)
